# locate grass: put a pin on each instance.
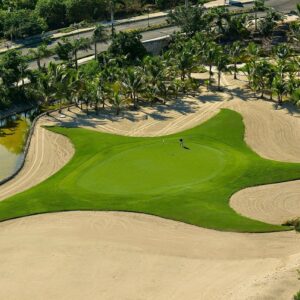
(156, 176)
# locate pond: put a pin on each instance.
(13, 134)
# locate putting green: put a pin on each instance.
(155, 167)
(157, 176)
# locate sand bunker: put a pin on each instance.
(48, 153)
(98, 255)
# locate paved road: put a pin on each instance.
(280, 5)
(283, 5)
(102, 47)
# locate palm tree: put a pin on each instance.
(115, 97)
(253, 51)
(99, 35)
(294, 35)
(210, 57)
(62, 80)
(262, 76)
(45, 86)
(39, 53)
(295, 97)
(237, 28)
(222, 18)
(259, 5)
(236, 52)
(185, 60)
(280, 87)
(249, 70)
(153, 69)
(79, 44)
(100, 91)
(133, 84)
(112, 7)
(221, 62)
(268, 23)
(164, 89)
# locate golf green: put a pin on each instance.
(191, 183)
(158, 166)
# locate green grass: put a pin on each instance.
(156, 176)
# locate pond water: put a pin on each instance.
(13, 135)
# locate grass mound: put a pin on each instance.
(157, 176)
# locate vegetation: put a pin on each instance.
(294, 223)
(297, 296)
(193, 186)
(212, 39)
(19, 19)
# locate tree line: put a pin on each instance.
(22, 18)
(126, 75)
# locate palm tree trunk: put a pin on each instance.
(95, 47)
(255, 20)
(38, 62)
(76, 61)
(112, 19)
(134, 100)
(235, 70)
(219, 80)
(210, 67)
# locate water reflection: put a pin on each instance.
(13, 135)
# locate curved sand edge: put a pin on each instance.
(110, 255)
(48, 153)
(274, 134)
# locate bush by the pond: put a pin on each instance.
(296, 224)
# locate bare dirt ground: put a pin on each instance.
(98, 255)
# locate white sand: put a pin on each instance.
(48, 153)
(98, 255)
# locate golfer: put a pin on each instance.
(181, 143)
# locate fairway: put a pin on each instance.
(157, 176)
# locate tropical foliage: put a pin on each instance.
(126, 75)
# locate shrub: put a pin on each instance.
(53, 11)
(128, 44)
(297, 296)
(295, 223)
(22, 23)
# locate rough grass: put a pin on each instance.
(156, 176)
